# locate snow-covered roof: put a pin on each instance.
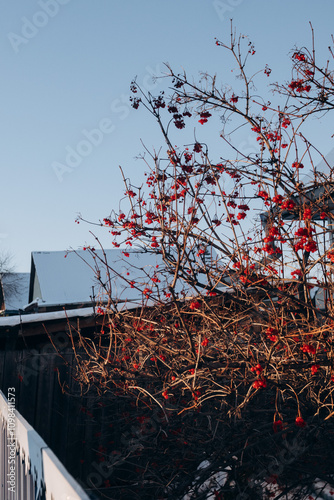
(64, 278)
(25, 319)
(59, 278)
(15, 290)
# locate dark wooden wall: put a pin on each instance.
(48, 397)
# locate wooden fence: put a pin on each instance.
(48, 398)
(29, 470)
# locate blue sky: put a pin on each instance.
(66, 70)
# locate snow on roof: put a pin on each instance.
(67, 278)
(15, 288)
(47, 316)
(60, 278)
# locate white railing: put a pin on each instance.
(29, 470)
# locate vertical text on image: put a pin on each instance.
(11, 440)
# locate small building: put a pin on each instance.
(80, 279)
(14, 293)
(319, 199)
(38, 357)
(83, 278)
